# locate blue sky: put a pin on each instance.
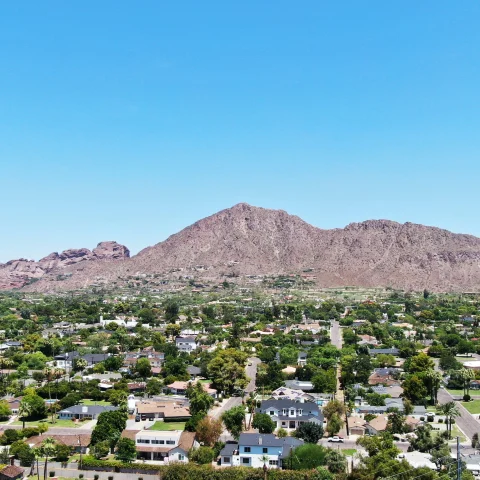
(128, 121)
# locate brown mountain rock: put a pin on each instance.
(246, 240)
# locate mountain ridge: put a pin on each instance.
(246, 240)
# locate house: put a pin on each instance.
(302, 359)
(82, 412)
(11, 472)
(253, 450)
(65, 360)
(386, 351)
(289, 414)
(166, 410)
(367, 340)
(14, 404)
(194, 372)
(180, 388)
(78, 442)
(186, 344)
(164, 446)
(291, 394)
(129, 324)
(299, 385)
(357, 425)
(377, 425)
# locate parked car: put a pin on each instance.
(336, 439)
(137, 418)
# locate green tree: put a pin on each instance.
(101, 449)
(200, 400)
(33, 406)
(201, 455)
(309, 432)
(126, 450)
(227, 370)
(451, 411)
(263, 423)
(336, 461)
(233, 420)
(396, 422)
(5, 411)
(307, 457)
(48, 449)
(334, 425)
(325, 381)
(23, 452)
(419, 363)
(414, 389)
(143, 368)
(333, 407)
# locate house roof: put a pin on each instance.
(12, 471)
(187, 440)
(286, 403)
(379, 423)
(192, 370)
(69, 440)
(267, 440)
(88, 409)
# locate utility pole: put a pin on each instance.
(459, 463)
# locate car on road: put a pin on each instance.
(137, 418)
(335, 439)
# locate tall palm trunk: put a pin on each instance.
(45, 469)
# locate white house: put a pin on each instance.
(186, 343)
(164, 446)
(289, 414)
(256, 450)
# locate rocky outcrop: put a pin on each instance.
(21, 272)
(245, 240)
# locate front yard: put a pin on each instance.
(473, 406)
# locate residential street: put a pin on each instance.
(252, 373)
(467, 422)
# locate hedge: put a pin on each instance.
(181, 471)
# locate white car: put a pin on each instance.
(335, 439)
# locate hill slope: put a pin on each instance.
(250, 240)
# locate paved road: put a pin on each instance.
(336, 335)
(352, 444)
(467, 422)
(252, 373)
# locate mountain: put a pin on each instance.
(245, 240)
(21, 272)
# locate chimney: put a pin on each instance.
(259, 440)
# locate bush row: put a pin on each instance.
(181, 471)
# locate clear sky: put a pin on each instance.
(128, 121)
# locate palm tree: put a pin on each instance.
(37, 452)
(466, 376)
(451, 411)
(24, 411)
(435, 379)
(48, 449)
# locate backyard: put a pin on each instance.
(168, 426)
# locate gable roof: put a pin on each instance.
(12, 471)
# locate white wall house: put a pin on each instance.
(186, 343)
(164, 447)
(256, 450)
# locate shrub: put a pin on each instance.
(202, 455)
(422, 419)
(440, 420)
(466, 398)
(110, 478)
(96, 477)
(81, 475)
(429, 419)
(452, 421)
(51, 474)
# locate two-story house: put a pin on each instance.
(186, 343)
(256, 450)
(289, 414)
(164, 446)
(65, 360)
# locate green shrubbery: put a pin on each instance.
(181, 471)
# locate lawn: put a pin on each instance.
(103, 403)
(167, 426)
(472, 406)
(349, 452)
(58, 423)
(455, 392)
